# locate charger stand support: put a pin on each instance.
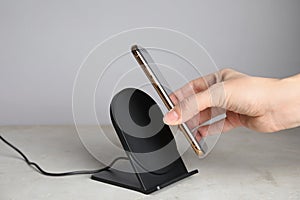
(138, 123)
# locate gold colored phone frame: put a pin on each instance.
(136, 51)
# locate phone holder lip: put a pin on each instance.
(148, 173)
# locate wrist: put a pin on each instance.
(288, 102)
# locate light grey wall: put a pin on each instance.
(44, 42)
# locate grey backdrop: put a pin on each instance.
(44, 42)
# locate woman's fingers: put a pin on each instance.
(215, 128)
(199, 119)
(204, 116)
(192, 105)
(194, 86)
(188, 108)
(231, 121)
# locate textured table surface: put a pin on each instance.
(243, 165)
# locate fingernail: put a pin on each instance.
(171, 117)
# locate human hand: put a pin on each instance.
(261, 104)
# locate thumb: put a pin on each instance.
(188, 108)
(192, 105)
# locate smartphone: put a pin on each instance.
(159, 83)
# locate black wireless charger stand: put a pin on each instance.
(150, 147)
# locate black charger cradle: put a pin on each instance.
(150, 147)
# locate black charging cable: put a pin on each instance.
(43, 172)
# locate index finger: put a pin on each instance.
(193, 87)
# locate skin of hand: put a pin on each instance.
(261, 104)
